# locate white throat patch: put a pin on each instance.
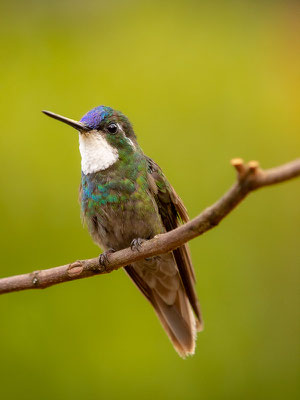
(96, 153)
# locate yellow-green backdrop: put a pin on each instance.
(202, 82)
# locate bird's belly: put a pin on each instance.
(116, 225)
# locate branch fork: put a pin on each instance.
(245, 171)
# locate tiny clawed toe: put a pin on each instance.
(103, 258)
(136, 244)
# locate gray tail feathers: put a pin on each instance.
(171, 303)
(178, 321)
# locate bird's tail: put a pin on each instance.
(178, 321)
(162, 286)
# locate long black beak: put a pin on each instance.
(75, 124)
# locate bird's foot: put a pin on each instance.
(103, 258)
(136, 244)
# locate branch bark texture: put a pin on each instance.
(249, 178)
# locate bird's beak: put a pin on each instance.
(75, 124)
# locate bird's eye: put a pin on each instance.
(112, 128)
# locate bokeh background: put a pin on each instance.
(202, 82)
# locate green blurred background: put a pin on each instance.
(202, 82)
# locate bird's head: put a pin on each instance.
(105, 135)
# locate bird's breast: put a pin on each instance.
(119, 210)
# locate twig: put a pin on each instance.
(249, 177)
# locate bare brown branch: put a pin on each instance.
(249, 177)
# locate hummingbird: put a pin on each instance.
(126, 199)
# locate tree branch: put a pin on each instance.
(249, 178)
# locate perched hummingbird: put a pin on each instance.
(126, 199)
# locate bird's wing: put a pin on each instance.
(173, 212)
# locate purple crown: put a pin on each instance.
(94, 117)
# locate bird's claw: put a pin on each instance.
(136, 244)
(103, 258)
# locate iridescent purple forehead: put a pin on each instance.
(95, 116)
